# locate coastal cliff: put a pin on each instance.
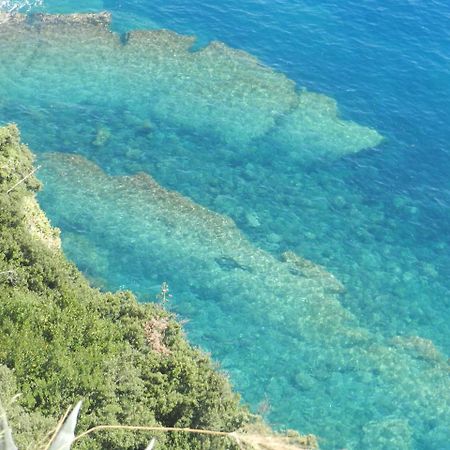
(62, 340)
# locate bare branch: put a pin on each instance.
(156, 428)
(23, 179)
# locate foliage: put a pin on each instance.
(256, 436)
(62, 341)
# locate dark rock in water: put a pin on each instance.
(306, 268)
(229, 264)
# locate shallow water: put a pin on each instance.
(290, 179)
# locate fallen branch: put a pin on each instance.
(137, 428)
(242, 439)
(8, 272)
(11, 277)
(23, 179)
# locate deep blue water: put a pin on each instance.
(379, 220)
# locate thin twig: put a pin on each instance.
(9, 275)
(58, 427)
(23, 179)
(43, 442)
(137, 428)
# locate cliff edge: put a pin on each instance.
(62, 340)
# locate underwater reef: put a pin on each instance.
(297, 302)
(225, 94)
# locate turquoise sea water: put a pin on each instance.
(363, 365)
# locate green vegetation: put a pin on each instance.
(62, 341)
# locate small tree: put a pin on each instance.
(164, 295)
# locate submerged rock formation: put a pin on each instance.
(259, 302)
(224, 94)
